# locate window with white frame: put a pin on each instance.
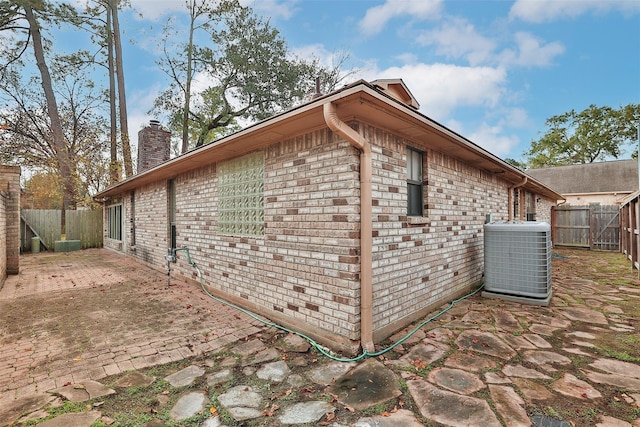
(414, 182)
(114, 214)
(241, 196)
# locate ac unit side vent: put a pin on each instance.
(517, 261)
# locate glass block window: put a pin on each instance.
(241, 196)
(414, 182)
(115, 222)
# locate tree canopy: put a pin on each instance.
(244, 66)
(594, 134)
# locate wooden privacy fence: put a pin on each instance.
(593, 226)
(83, 225)
(630, 217)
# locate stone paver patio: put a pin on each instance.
(485, 362)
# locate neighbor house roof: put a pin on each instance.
(620, 176)
(362, 101)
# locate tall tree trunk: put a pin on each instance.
(115, 172)
(124, 126)
(187, 90)
(62, 154)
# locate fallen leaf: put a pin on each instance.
(165, 392)
(330, 416)
(385, 414)
(349, 408)
(213, 410)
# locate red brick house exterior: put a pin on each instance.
(9, 221)
(345, 218)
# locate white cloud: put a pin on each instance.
(440, 88)
(539, 11)
(377, 17)
(272, 8)
(531, 52)
(458, 38)
(493, 139)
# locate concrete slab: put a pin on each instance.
(585, 315)
(531, 390)
(217, 378)
(14, 409)
(628, 383)
(522, 372)
(618, 367)
(242, 402)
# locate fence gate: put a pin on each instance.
(593, 226)
(83, 225)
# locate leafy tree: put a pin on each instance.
(20, 22)
(27, 135)
(251, 74)
(597, 133)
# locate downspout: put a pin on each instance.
(510, 197)
(366, 221)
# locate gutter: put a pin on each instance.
(510, 197)
(366, 221)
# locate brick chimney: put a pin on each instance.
(154, 143)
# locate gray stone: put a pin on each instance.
(540, 357)
(537, 340)
(486, 343)
(367, 385)
(469, 362)
(427, 352)
(581, 334)
(305, 412)
(249, 347)
(543, 329)
(189, 405)
(265, 355)
(217, 378)
(275, 371)
(401, 418)
(532, 390)
(522, 372)
(83, 391)
(545, 421)
(295, 380)
(13, 409)
(327, 374)
(509, 405)
(569, 385)
(185, 376)
(240, 396)
(456, 380)
(451, 409)
(212, 422)
(584, 315)
(506, 321)
(77, 419)
(628, 383)
(517, 342)
(618, 367)
(295, 343)
(495, 378)
(241, 413)
(607, 421)
(135, 379)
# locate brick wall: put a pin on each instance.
(9, 221)
(304, 271)
(154, 145)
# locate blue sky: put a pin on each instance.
(493, 71)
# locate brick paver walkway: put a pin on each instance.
(94, 313)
